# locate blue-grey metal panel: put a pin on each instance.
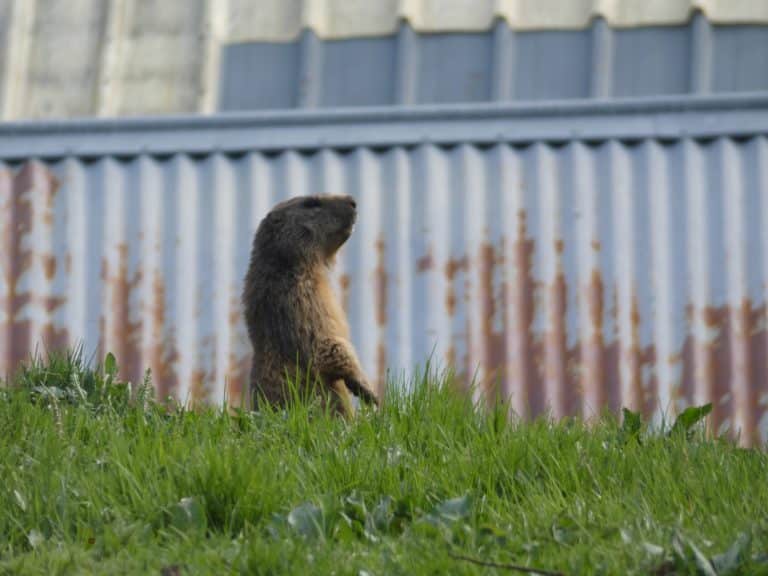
(582, 272)
(739, 59)
(500, 65)
(454, 68)
(358, 72)
(255, 79)
(548, 64)
(652, 61)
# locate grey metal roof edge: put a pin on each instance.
(743, 114)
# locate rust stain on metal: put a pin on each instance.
(197, 387)
(631, 355)
(593, 373)
(729, 365)
(455, 265)
(238, 367)
(125, 333)
(452, 267)
(163, 355)
(450, 301)
(32, 188)
(559, 385)
(525, 383)
(380, 283)
(426, 262)
(237, 378)
(49, 265)
(542, 368)
(493, 342)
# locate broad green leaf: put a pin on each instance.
(110, 365)
(564, 531)
(455, 508)
(631, 424)
(689, 417)
(381, 517)
(307, 520)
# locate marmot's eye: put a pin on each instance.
(311, 203)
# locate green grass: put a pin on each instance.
(97, 479)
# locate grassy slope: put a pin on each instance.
(96, 486)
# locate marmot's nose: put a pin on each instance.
(352, 201)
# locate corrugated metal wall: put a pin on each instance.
(582, 270)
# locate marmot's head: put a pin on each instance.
(306, 229)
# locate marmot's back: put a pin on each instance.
(293, 318)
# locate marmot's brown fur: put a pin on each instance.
(293, 318)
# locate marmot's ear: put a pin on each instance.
(275, 218)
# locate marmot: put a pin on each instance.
(293, 317)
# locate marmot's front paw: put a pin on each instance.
(362, 391)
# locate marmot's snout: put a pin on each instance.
(344, 209)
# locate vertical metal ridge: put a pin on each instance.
(623, 187)
(7, 231)
(206, 298)
(739, 305)
(167, 283)
(503, 64)
(517, 276)
(478, 289)
(369, 283)
(568, 272)
(186, 194)
(387, 276)
(662, 236)
(310, 71)
(601, 82)
(225, 306)
(761, 349)
(115, 322)
(406, 256)
(407, 66)
(700, 248)
(76, 243)
(437, 204)
(701, 51)
(422, 260)
(554, 291)
(591, 282)
(148, 191)
(244, 226)
(32, 285)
